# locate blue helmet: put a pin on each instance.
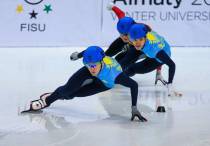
(124, 24)
(93, 54)
(137, 31)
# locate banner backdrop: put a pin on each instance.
(181, 22)
(82, 23)
(49, 22)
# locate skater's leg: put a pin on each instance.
(46, 99)
(96, 87)
(73, 85)
(145, 66)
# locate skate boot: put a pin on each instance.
(36, 106)
(172, 92)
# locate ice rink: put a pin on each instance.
(103, 119)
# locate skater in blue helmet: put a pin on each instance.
(108, 72)
(156, 49)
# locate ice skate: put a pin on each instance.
(172, 92)
(36, 106)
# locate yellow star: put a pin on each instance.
(19, 9)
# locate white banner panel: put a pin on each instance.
(49, 22)
(181, 22)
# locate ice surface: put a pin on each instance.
(102, 119)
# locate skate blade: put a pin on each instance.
(31, 112)
(175, 94)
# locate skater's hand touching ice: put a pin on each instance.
(136, 113)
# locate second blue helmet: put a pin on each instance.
(124, 24)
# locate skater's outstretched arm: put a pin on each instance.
(131, 56)
(115, 47)
(162, 56)
(76, 55)
(120, 14)
(126, 81)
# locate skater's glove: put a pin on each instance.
(110, 6)
(160, 78)
(172, 92)
(135, 113)
(125, 48)
(74, 56)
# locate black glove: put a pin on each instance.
(74, 56)
(136, 113)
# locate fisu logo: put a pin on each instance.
(33, 15)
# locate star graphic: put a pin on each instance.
(19, 9)
(47, 8)
(33, 14)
